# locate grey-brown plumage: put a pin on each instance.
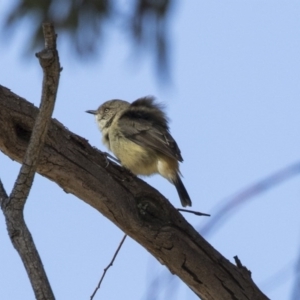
(138, 134)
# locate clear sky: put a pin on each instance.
(234, 105)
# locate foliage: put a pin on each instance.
(84, 21)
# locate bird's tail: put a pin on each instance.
(182, 192)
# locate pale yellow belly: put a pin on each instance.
(139, 160)
(142, 160)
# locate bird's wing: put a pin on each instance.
(146, 125)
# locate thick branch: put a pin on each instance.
(13, 205)
(135, 207)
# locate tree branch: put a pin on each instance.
(13, 205)
(228, 206)
(131, 204)
(108, 266)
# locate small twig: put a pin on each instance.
(240, 266)
(109, 265)
(238, 262)
(13, 205)
(197, 213)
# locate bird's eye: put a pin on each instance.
(106, 110)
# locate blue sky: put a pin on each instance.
(234, 106)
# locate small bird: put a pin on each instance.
(138, 135)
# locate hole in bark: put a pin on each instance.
(22, 132)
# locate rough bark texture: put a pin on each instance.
(23, 242)
(13, 205)
(131, 204)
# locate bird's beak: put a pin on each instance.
(93, 112)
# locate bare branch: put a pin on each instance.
(51, 68)
(231, 204)
(108, 266)
(13, 206)
(131, 204)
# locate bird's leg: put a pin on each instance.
(108, 155)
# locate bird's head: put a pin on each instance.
(107, 111)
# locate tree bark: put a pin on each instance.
(13, 205)
(131, 204)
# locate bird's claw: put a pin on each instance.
(107, 156)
